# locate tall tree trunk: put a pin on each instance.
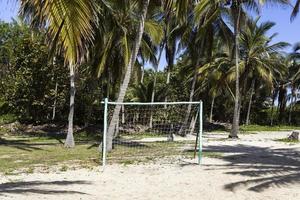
(250, 102)
(143, 74)
(154, 83)
(123, 114)
(124, 86)
(211, 110)
(293, 100)
(168, 82)
(273, 104)
(152, 100)
(168, 76)
(282, 100)
(290, 112)
(189, 109)
(108, 84)
(55, 101)
(70, 143)
(193, 123)
(235, 122)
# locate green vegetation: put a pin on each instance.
(156, 151)
(26, 154)
(40, 68)
(143, 135)
(7, 118)
(286, 140)
(258, 128)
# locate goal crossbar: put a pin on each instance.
(151, 103)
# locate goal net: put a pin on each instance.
(167, 132)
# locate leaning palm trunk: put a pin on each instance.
(115, 117)
(193, 123)
(189, 109)
(250, 102)
(236, 120)
(212, 110)
(70, 143)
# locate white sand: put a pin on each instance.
(254, 167)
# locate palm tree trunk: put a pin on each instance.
(168, 81)
(168, 76)
(290, 112)
(235, 122)
(154, 83)
(282, 100)
(294, 94)
(70, 143)
(152, 100)
(272, 109)
(143, 74)
(123, 114)
(189, 109)
(124, 86)
(250, 102)
(55, 102)
(211, 110)
(193, 123)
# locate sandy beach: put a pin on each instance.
(253, 167)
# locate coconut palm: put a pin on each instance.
(112, 45)
(214, 77)
(198, 40)
(142, 92)
(70, 27)
(142, 14)
(295, 60)
(238, 14)
(181, 10)
(261, 60)
(294, 78)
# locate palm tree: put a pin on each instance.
(214, 75)
(170, 38)
(142, 92)
(238, 15)
(134, 52)
(69, 25)
(294, 78)
(112, 45)
(261, 61)
(198, 39)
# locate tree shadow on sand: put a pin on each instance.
(21, 144)
(35, 187)
(262, 167)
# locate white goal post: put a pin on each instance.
(150, 130)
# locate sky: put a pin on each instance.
(287, 31)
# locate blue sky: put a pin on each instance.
(287, 31)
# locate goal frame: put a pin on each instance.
(199, 138)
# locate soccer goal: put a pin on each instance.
(160, 132)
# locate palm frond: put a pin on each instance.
(69, 23)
